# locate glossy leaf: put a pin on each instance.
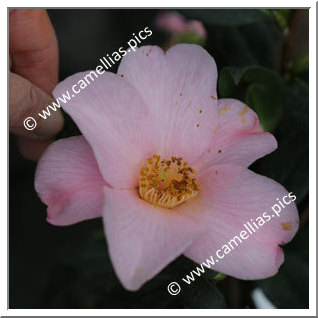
(289, 164)
(259, 87)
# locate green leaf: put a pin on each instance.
(245, 45)
(189, 37)
(259, 87)
(219, 276)
(289, 164)
(300, 64)
(282, 17)
(232, 17)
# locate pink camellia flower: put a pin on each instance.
(173, 22)
(164, 162)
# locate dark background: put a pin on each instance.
(262, 58)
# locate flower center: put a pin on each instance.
(167, 183)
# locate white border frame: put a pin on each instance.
(312, 164)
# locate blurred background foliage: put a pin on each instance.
(262, 59)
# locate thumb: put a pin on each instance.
(27, 100)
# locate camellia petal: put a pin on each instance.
(230, 197)
(68, 180)
(115, 121)
(179, 86)
(142, 238)
(238, 137)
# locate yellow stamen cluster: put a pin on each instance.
(167, 183)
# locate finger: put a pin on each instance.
(27, 100)
(32, 149)
(33, 47)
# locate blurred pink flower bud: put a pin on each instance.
(171, 21)
(174, 23)
(197, 27)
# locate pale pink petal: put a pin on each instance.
(238, 137)
(142, 238)
(68, 181)
(115, 121)
(180, 88)
(230, 196)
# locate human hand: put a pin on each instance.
(33, 53)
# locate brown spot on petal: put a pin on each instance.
(242, 113)
(217, 128)
(223, 110)
(219, 151)
(243, 110)
(147, 54)
(213, 97)
(287, 226)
